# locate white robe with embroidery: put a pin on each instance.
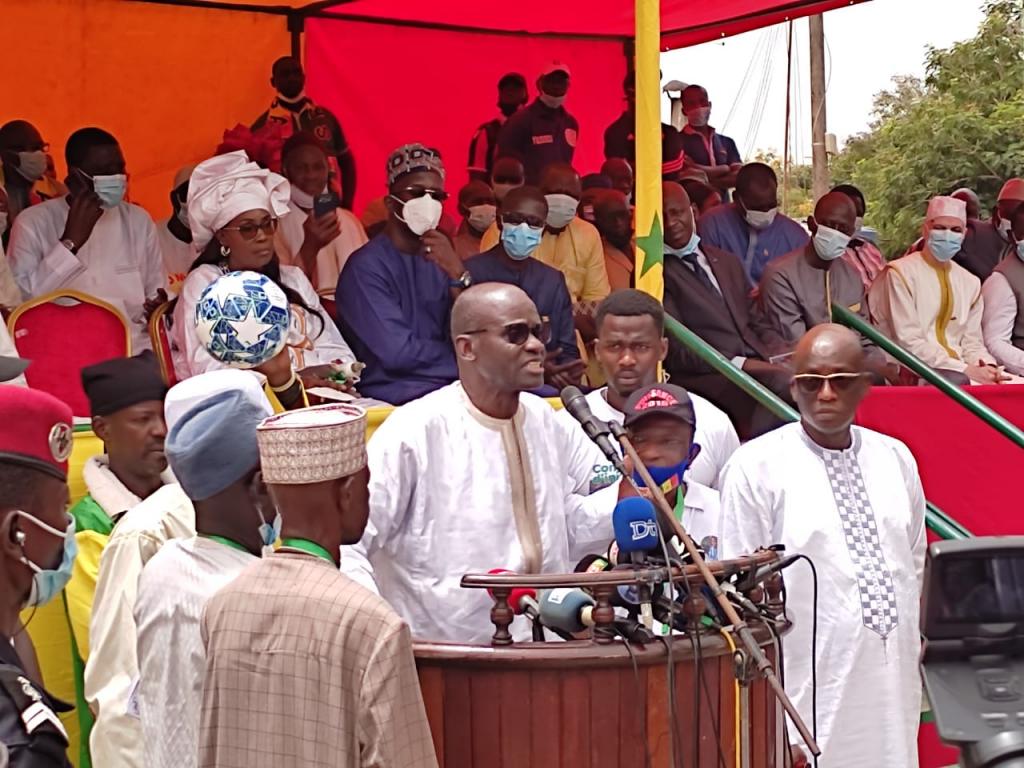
(453, 491)
(776, 490)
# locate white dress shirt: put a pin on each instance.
(120, 263)
(997, 321)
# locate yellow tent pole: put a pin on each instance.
(649, 230)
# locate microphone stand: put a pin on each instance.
(742, 629)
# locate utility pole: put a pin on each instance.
(819, 154)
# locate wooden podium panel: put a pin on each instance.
(583, 705)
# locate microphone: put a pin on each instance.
(753, 578)
(567, 609)
(636, 531)
(636, 528)
(598, 431)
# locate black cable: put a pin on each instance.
(641, 695)
(814, 651)
(676, 743)
(707, 699)
(693, 633)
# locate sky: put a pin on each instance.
(866, 45)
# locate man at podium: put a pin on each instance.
(474, 476)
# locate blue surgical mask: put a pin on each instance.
(664, 475)
(944, 244)
(47, 583)
(110, 189)
(686, 250)
(270, 532)
(520, 240)
(830, 243)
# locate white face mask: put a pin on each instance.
(421, 214)
(32, 165)
(110, 188)
(561, 210)
(3, 222)
(481, 216)
(858, 224)
(830, 243)
(301, 199)
(698, 117)
(552, 101)
(761, 219)
(1004, 229)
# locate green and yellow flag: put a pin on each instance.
(649, 230)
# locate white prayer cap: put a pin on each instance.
(942, 206)
(312, 445)
(182, 396)
(184, 174)
(1013, 189)
(227, 185)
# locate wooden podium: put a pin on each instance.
(585, 704)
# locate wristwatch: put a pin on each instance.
(462, 281)
(68, 243)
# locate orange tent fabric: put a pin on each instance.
(165, 80)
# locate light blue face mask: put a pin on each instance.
(830, 243)
(520, 240)
(944, 244)
(270, 532)
(109, 189)
(47, 583)
(686, 250)
(1020, 250)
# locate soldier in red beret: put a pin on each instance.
(37, 548)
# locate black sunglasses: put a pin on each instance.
(811, 383)
(519, 333)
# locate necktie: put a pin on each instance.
(690, 260)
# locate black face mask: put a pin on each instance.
(508, 109)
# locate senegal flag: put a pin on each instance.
(649, 229)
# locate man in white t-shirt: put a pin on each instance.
(630, 344)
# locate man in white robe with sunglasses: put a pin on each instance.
(850, 500)
(474, 476)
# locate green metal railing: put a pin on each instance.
(843, 315)
(939, 522)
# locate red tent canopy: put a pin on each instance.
(683, 22)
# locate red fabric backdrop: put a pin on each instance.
(393, 85)
(683, 22)
(968, 469)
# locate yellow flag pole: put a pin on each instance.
(649, 230)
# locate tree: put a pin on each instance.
(962, 126)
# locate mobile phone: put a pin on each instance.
(325, 203)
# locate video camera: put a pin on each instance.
(972, 660)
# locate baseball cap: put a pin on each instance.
(1013, 189)
(555, 66)
(666, 399)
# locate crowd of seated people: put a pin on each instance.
(457, 302)
(378, 287)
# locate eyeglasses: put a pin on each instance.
(250, 229)
(811, 383)
(413, 192)
(518, 333)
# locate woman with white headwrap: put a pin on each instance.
(233, 208)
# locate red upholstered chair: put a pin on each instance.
(61, 333)
(159, 335)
